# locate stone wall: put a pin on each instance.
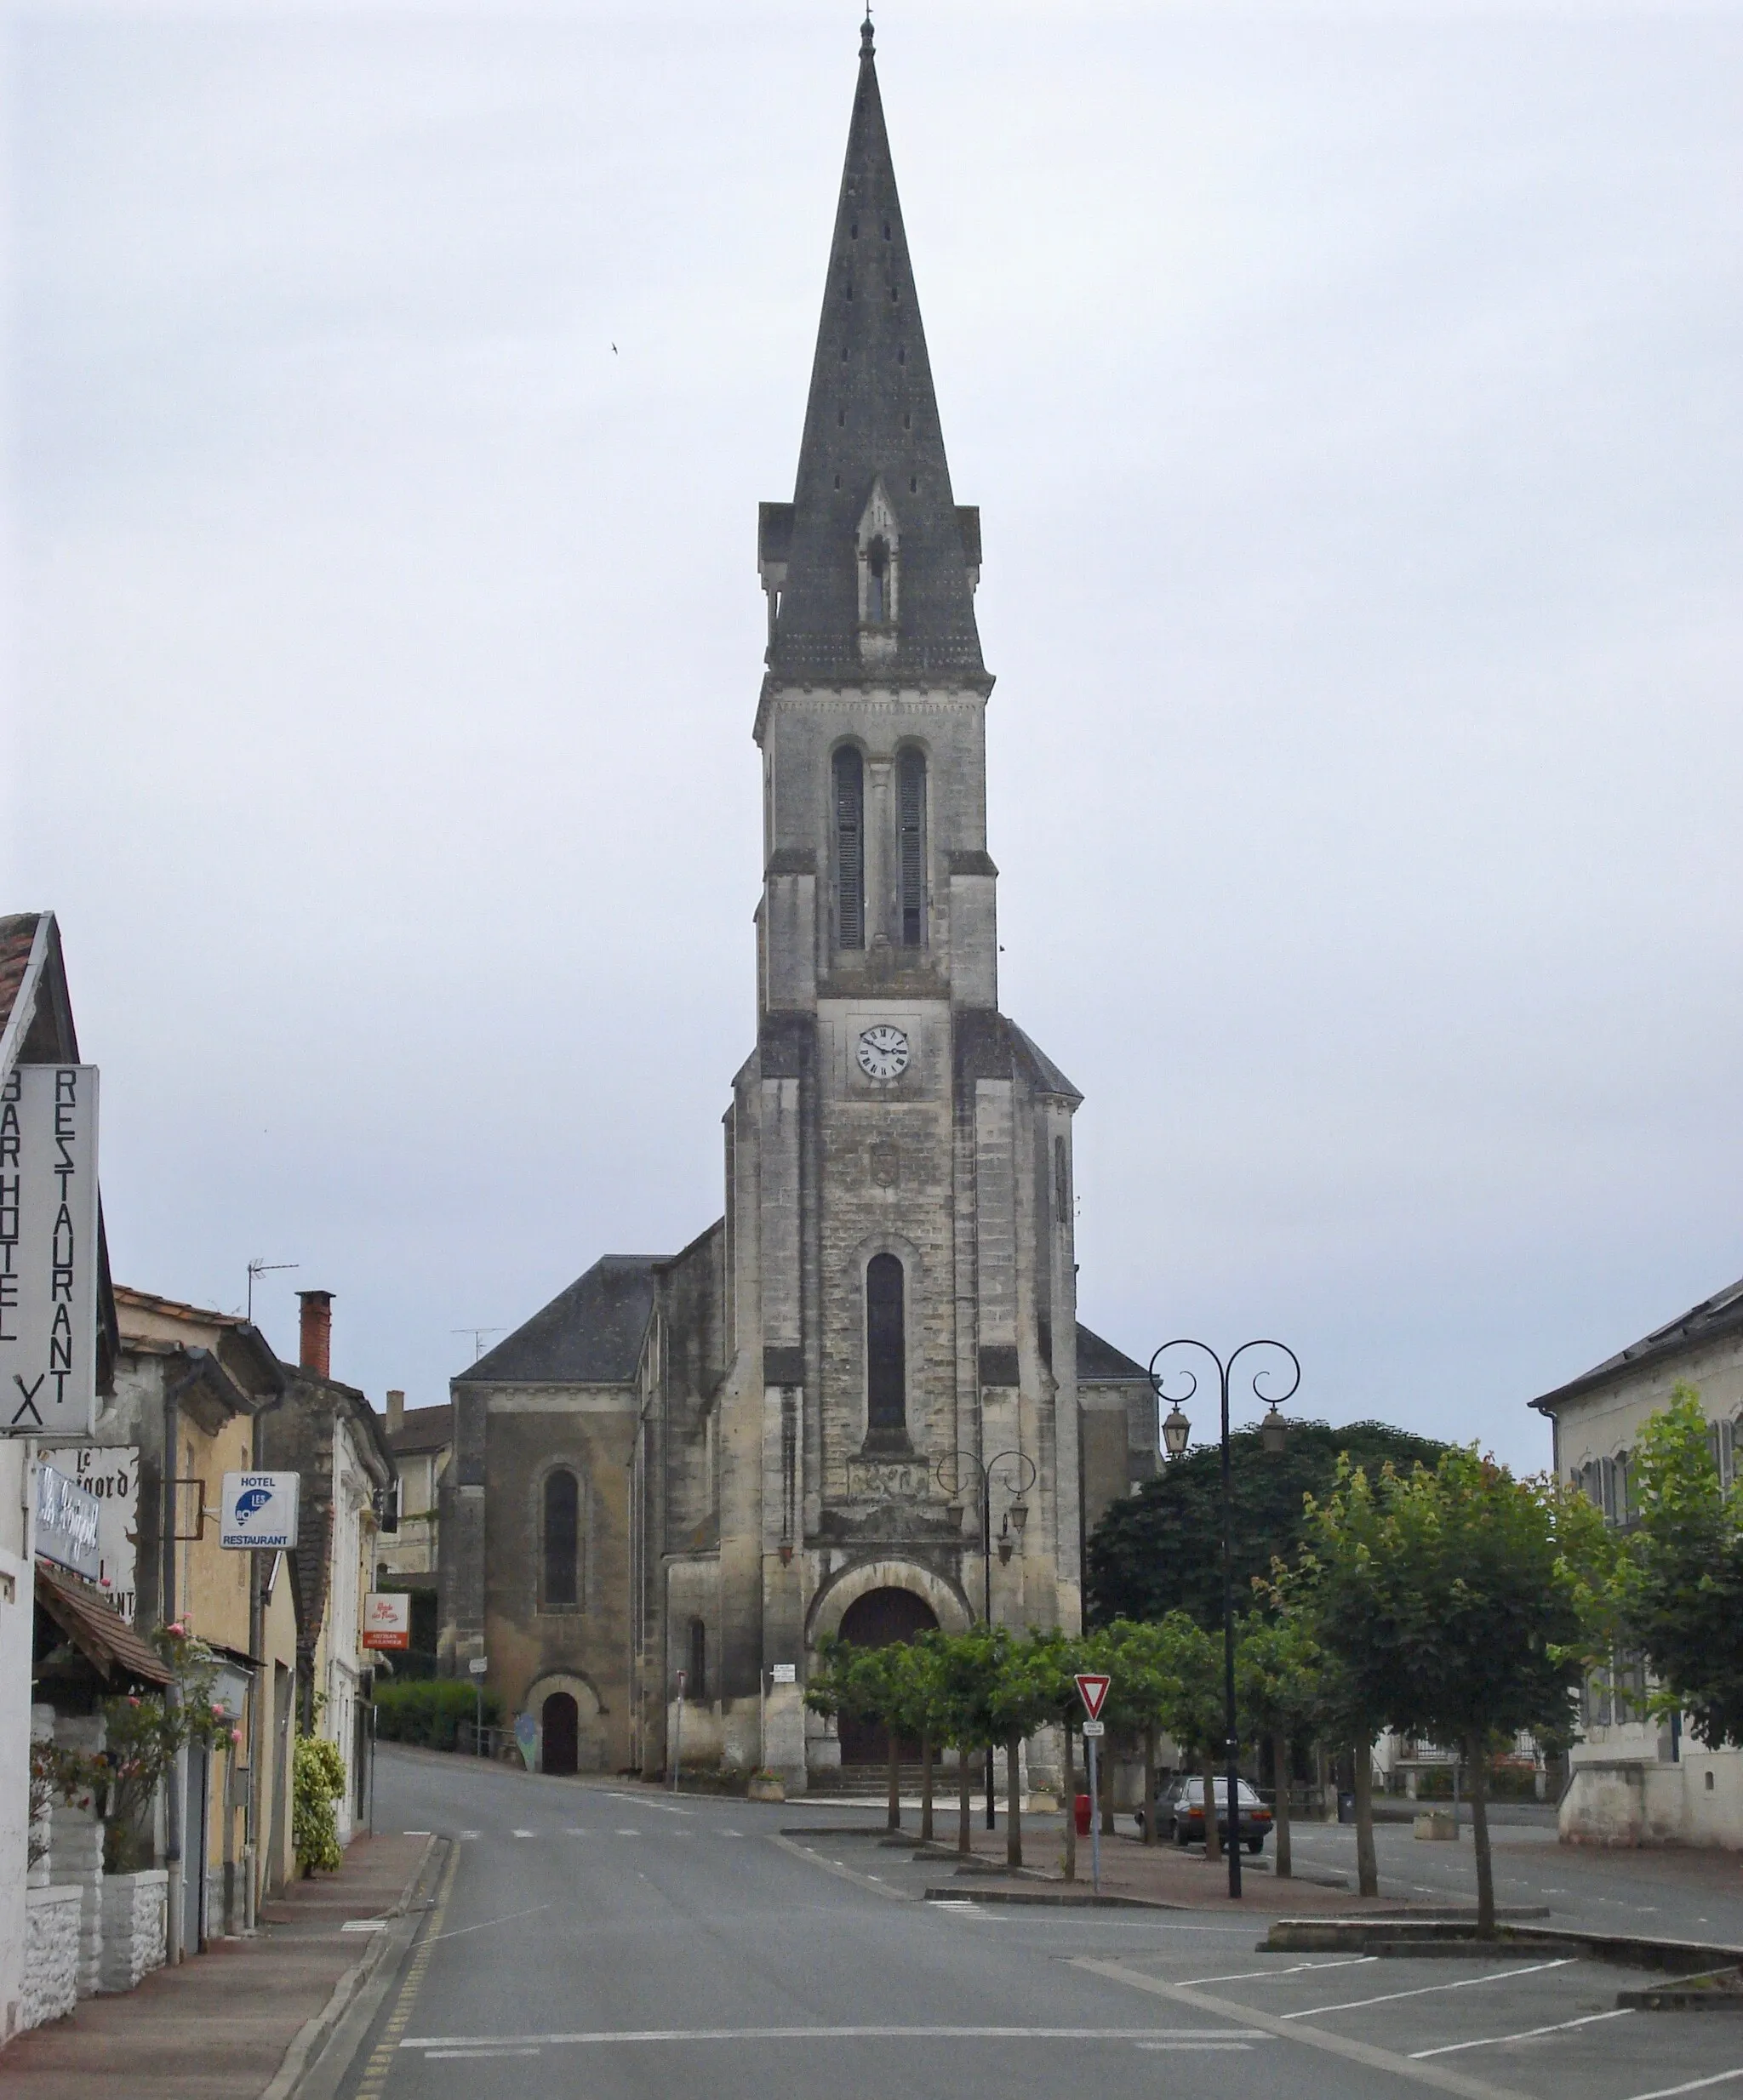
(51, 1955)
(136, 1926)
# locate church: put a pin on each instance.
(860, 1402)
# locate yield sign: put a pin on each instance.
(1092, 1689)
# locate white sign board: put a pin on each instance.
(1094, 1730)
(479, 1666)
(257, 1510)
(111, 1472)
(66, 1523)
(784, 1674)
(387, 1619)
(48, 1251)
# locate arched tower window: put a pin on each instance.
(910, 847)
(886, 1349)
(850, 785)
(563, 1538)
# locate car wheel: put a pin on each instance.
(1255, 1845)
(1179, 1835)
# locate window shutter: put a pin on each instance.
(849, 848)
(910, 845)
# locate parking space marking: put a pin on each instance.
(1298, 1968)
(1527, 2033)
(1694, 2085)
(1426, 1990)
(1442, 2077)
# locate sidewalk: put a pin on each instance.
(219, 2027)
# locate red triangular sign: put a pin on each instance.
(1092, 1689)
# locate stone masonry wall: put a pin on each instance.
(51, 1955)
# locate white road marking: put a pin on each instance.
(526, 1833)
(1694, 2085)
(1245, 1976)
(364, 1925)
(629, 1834)
(729, 1834)
(1426, 1990)
(415, 1834)
(461, 1931)
(600, 2035)
(467, 1834)
(1219, 2044)
(471, 2055)
(1526, 2034)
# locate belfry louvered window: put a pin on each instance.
(886, 1349)
(849, 848)
(910, 845)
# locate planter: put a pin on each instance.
(135, 1915)
(766, 1787)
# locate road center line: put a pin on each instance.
(600, 2036)
(1527, 2033)
(1424, 1990)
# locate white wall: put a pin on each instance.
(17, 1608)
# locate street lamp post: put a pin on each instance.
(948, 1473)
(1273, 1430)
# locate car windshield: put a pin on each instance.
(1192, 1790)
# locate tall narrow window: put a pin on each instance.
(886, 1349)
(1061, 1182)
(910, 845)
(696, 1687)
(563, 1538)
(849, 848)
(878, 582)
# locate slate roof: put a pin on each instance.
(1099, 1363)
(1710, 1320)
(590, 1334)
(871, 413)
(421, 1429)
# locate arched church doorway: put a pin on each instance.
(876, 1620)
(560, 1721)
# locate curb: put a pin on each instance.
(311, 2036)
(1391, 1935)
(1722, 1994)
(1058, 1899)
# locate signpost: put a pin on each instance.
(479, 1668)
(1092, 1689)
(48, 1251)
(387, 1619)
(257, 1512)
(678, 1732)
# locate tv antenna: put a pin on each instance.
(260, 1266)
(478, 1335)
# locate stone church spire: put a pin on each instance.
(875, 581)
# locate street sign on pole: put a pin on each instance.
(1093, 1746)
(1092, 1689)
(387, 1619)
(479, 1666)
(1094, 1731)
(259, 1511)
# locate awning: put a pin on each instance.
(99, 1632)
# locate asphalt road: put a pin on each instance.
(613, 1943)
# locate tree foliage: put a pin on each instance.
(1679, 1579)
(1160, 1550)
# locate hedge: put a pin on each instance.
(429, 1711)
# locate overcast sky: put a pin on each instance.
(1351, 397)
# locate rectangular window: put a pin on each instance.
(849, 788)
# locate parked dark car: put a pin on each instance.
(1179, 1812)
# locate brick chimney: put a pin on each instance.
(396, 1411)
(315, 1350)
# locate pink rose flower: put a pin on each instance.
(217, 1711)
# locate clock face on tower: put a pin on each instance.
(883, 1053)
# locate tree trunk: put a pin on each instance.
(965, 1802)
(1213, 1835)
(1014, 1804)
(1478, 1765)
(1283, 1868)
(1367, 1867)
(1150, 1785)
(896, 1781)
(1070, 1785)
(925, 1790)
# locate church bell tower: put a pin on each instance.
(901, 1297)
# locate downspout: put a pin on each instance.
(173, 1780)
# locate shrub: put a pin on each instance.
(319, 1782)
(429, 1711)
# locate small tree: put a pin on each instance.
(1679, 1581)
(1188, 1663)
(143, 1734)
(1022, 1697)
(867, 1684)
(1452, 1600)
(1279, 1676)
(1141, 1663)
